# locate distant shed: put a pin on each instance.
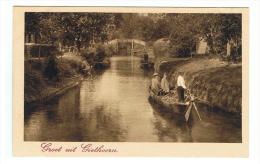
(202, 47)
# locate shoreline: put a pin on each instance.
(207, 82)
(55, 93)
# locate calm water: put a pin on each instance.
(113, 106)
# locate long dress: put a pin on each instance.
(165, 85)
(155, 85)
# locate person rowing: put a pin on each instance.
(181, 87)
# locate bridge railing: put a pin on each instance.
(136, 41)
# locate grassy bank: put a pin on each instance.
(39, 88)
(211, 80)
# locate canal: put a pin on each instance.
(112, 106)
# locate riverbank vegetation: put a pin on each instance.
(181, 32)
(214, 76)
(60, 47)
(210, 79)
(173, 38)
(45, 77)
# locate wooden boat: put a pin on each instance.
(146, 65)
(176, 108)
(102, 65)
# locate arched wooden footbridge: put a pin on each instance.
(128, 46)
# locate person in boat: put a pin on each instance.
(181, 87)
(156, 87)
(165, 85)
(145, 58)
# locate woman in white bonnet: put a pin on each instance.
(165, 84)
(156, 88)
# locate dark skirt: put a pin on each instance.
(180, 91)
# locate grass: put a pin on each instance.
(37, 85)
(209, 79)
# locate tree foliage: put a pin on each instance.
(69, 28)
(216, 29)
(219, 29)
(183, 30)
(183, 34)
(145, 27)
(51, 70)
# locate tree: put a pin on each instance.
(216, 29)
(162, 28)
(69, 28)
(52, 71)
(219, 29)
(136, 26)
(184, 33)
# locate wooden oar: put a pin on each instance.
(192, 103)
(187, 114)
(196, 110)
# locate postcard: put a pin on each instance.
(130, 81)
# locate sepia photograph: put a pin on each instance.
(146, 76)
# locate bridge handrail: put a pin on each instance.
(127, 40)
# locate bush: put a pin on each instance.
(93, 55)
(34, 82)
(100, 53)
(51, 71)
(89, 55)
(182, 43)
(110, 50)
(161, 47)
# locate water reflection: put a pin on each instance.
(113, 106)
(169, 127)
